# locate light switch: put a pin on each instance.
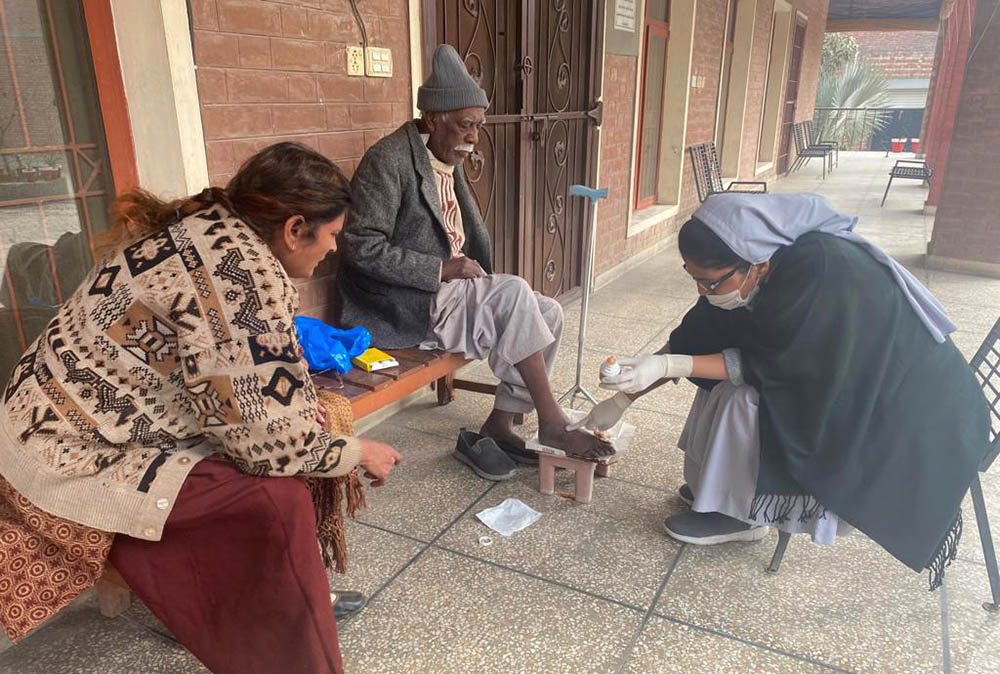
(378, 62)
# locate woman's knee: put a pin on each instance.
(728, 393)
(287, 499)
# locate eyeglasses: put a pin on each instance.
(710, 287)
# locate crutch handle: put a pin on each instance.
(588, 192)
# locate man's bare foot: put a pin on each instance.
(500, 426)
(580, 444)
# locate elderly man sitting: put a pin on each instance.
(417, 270)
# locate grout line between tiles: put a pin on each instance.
(390, 531)
(765, 647)
(427, 546)
(627, 653)
(945, 639)
(550, 581)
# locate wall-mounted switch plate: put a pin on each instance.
(355, 61)
(378, 62)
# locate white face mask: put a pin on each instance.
(733, 299)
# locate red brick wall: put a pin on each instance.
(966, 225)
(900, 54)
(270, 71)
(614, 246)
(617, 144)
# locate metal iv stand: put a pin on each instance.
(588, 262)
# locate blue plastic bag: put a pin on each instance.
(328, 348)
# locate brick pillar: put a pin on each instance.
(967, 226)
(948, 87)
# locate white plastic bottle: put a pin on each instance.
(610, 368)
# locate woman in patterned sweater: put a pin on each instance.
(147, 421)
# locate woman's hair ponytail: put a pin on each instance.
(280, 181)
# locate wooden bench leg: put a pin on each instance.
(602, 470)
(112, 600)
(446, 389)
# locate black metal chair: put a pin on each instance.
(911, 169)
(813, 141)
(986, 366)
(708, 175)
(805, 152)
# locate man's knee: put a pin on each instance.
(513, 287)
(552, 312)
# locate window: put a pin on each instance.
(654, 66)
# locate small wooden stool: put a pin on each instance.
(547, 464)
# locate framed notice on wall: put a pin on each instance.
(622, 23)
(625, 15)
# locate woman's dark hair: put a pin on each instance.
(278, 182)
(700, 245)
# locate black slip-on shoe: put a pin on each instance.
(347, 603)
(483, 456)
(525, 457)
(684, 491)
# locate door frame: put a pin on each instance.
(786, 130)
(111, 93)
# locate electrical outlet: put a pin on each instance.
(378, 62)
(355, 61)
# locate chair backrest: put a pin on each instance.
(798, 131)
(707, 174)
(986, 365)
(810, 131)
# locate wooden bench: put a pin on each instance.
(371, 391)
(368, 393)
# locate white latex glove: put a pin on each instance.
(638, 374)
(604, 414)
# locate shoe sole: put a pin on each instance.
(754, 534)
(480, 472)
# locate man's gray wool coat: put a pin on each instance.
(394, 241)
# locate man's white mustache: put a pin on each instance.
(465, 147)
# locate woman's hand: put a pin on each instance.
(638, 374)
(320, 414)
(604, 414)
(377, 459)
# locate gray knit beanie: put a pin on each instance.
(450, 87)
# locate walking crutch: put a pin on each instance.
(588, 263)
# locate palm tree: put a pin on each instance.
(858, 84)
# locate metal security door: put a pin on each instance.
(536, 61)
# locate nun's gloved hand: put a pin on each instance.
(638, 374)
(604, 414)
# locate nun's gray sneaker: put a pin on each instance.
(711, 528)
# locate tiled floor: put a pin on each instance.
(599, 588)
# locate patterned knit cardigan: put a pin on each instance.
(180, 346)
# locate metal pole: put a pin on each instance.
(588, 262)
